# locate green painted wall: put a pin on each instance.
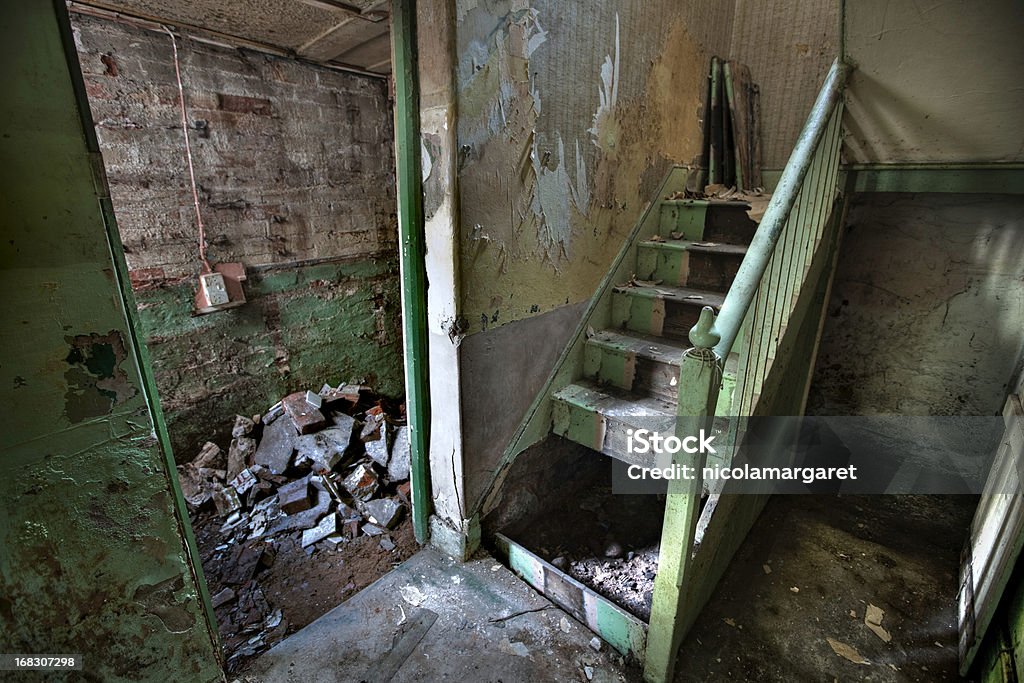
(94, 559)
(305, 326)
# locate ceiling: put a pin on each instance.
(349, 33)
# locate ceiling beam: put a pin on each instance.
(97, 8)
(370, 13)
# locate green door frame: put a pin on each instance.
(413, 250)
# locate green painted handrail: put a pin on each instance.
(720, 332)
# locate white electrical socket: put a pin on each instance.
(214, 289)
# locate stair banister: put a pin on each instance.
(727, 323)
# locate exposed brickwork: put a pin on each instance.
(293, 162)
(295, 166)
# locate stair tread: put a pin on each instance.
(735, 203)
(688, 295)
(612, 402)
(655, 349)
(728, 248)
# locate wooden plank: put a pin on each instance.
(620, 629)
(715, 129)
(728, 175)
(756, 179)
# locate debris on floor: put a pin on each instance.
(620, 562)
(846, 651)
(873, 620)
(309, 504)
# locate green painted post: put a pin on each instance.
(412, 241)
(700, 379)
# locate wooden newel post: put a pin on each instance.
(700, 379)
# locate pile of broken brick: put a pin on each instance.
(318, 464)
(308, 465)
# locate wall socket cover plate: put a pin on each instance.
(221, 289)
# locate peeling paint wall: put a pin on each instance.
(789, 47)
(94, 561)
(569, 115)
(295, 170)
(926, 315)
(935, 81)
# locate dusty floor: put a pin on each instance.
(899, 553)
(433, 619)
(301, 586)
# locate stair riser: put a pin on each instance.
(709, 223)
(607, 434)
(697, 269)
(627, 370)
(679, 318)
(657, 379)
(648, 315)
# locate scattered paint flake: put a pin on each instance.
(846, 652)
(412, 595)
(730, 622)
(495, 567)
(853, 614)
(794, 589)
(873, 620)
(766, 569)
(564, 625)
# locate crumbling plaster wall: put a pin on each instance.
(566, 117)
(927, 308)
(93, 558)
(295, 170)
(935, 81)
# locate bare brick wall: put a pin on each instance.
(295, 169)
(293, 162)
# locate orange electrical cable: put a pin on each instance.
(188, 156)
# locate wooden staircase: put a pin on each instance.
(704, 313)
(630, 374)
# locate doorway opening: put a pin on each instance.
(252, 158)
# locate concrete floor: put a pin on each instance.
(432, 619)
(899, 553)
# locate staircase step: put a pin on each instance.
(703, 265)
(643, 365)
(713, 220)
(662, 310)
(599, 417)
